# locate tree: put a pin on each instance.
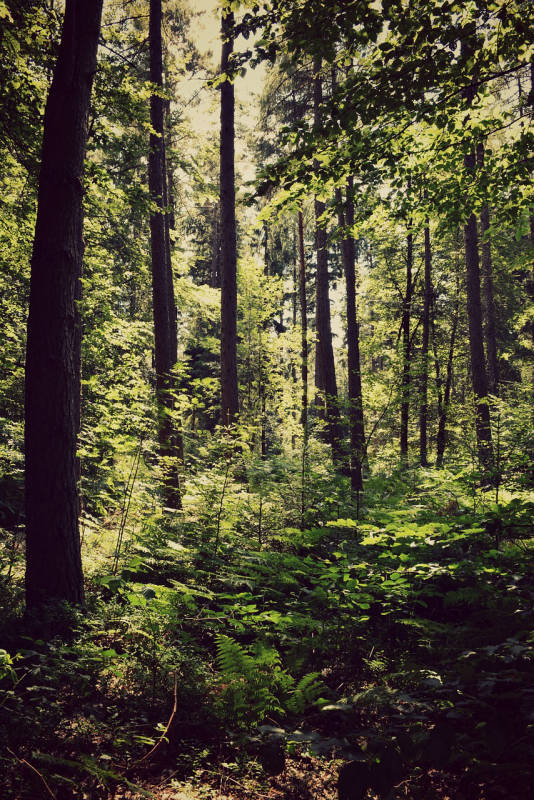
(406, 345)
(356, 422)
(474, 309)
(53, 356)
(164, 310)
(303, 354)
(228, 257)
(325, 378)
(488, 292)
(427, 300)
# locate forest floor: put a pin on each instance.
(386, 657)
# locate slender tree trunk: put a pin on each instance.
(229, 390)
(406, 348)
(444, 402)
(423, 410)
(303, 363)
(326, 374)
(164, 309)
(488, 293)
(530, 290)
(304, 328)
(476, 345)
(53, 355)
(474, 312)
(357, 434)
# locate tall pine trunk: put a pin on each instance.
(406, 348)
(53, 355)
(490, 315)
(304, 329)
(164, 310)
(474, 312)
(303, 362)
(325, 368)
(356, 423)
(531, 292)
(444, 398)
(228, 260)
(427, 300)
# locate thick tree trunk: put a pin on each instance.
(325, 372)
(53, 356)
(356, 423)
(164, 309)
(406, 348)
(228, 263)
(427, 300)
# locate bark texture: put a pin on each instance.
(444, 396)
(479, 375)
(53, 356)
(304, 329)
(427, 300)
(164, 308)
(325, 368)
(490, 316)
(228, 259)
(406, 348)
(356, 422)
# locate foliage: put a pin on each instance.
(287, 618)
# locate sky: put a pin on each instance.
(204, 115)
(205, 31)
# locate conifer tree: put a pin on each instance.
(53, 355)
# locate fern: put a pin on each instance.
(306, 693)
(253, 684)
(232, 658)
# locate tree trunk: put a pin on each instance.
(326, 374)
(423, 410)
(228, 263)
(474, 312)
(406, 348)
(164, 309)
(304, 364)
(53, 356)
(215, 278)
(531, 293)
(304, 329)
(356, 422)
(443, 403)
(489, 299)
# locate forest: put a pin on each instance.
(266, 399)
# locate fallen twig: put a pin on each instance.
(167, 728)
(27, 763)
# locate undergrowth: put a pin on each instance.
(400, 643)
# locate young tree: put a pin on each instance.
(53, 356)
